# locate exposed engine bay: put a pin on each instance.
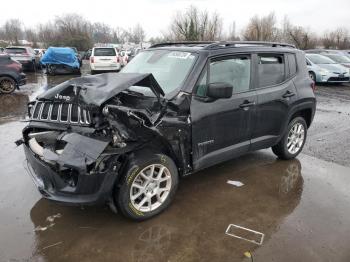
(90, 126)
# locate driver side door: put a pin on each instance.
(221, 128)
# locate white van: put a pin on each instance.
(104, 59)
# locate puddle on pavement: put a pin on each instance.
(302, 207)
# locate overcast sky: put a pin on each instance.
(155, 15)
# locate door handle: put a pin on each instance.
(246, 104)
(288, 94)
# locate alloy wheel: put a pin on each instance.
(296, 137)
(150, 188)
(7, 86)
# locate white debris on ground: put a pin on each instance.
(49, 219)
(235, 183)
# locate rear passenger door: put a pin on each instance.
(276, 93)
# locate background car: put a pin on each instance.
(328, 51)
(38, 54)
(11, 75)
(323, 69)
(104, 59)
(124, 58)
(60, 60)
(340, 59)
(23, 54)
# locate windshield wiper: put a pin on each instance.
(133, 92)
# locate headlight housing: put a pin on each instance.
(324, 71)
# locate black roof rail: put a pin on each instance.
(223, 44)
(183, 43)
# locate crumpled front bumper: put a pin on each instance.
(89, 189)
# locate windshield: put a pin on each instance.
(320, 59)
(169, 68)
(15, 50)
(104, 52)
(339, 58)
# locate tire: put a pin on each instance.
(134, 183)
(93, 72)
(32, 66)
(7, 85)
(51, 69)
(312, 76)
(288, 140)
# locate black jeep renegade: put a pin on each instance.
(126, 138)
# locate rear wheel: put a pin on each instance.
(51, 69)
(148, 186)
(7, 85)
(293, 141)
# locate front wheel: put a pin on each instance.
(312, 76)
(293, 141)
(148, 186)
(7, 85)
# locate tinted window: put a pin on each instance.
(235, 71)
(271, 70)
(104, 52)
(292, 64)
(15, 50)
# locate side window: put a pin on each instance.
(292, 64)
(271, 69)
(233, 70)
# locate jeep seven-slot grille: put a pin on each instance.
(60, 112)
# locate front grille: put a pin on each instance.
(60, 112)
(335, 79)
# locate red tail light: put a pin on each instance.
(92, 60)
(117, 59)
(313, 86)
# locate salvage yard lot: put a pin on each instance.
(302, 206)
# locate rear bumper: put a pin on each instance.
(100, 67)
(89, 189)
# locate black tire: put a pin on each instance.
(7, 85)
(281, 149)
(131, 173)
(312, 76)
(32, 66)
(51, 69)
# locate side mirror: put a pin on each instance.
(219, 90)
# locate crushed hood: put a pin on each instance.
(97, 89)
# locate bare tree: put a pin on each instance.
(13, 30)
(137, 34)
(261, 29)
(301, 37)
(101, 33)
(193, 25)
(337, 39)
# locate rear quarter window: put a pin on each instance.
(271, 69)
(104, 52)
(292, 64)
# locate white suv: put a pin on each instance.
(104, 59)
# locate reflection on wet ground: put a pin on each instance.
(302, 207)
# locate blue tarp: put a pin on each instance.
(60, 56)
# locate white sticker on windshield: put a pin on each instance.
(180, 55)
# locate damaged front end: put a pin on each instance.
(82, 132)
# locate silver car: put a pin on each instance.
(23, 54)
(324, 70)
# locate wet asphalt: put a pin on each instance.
(301, 206)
